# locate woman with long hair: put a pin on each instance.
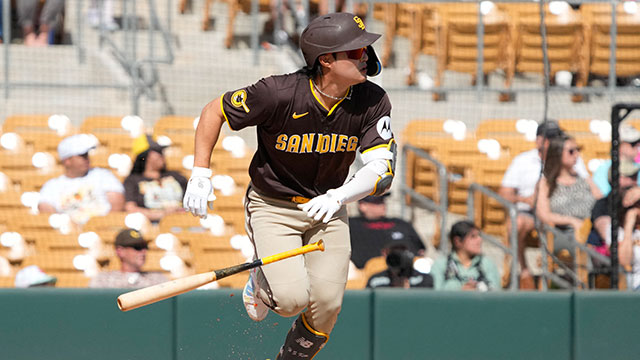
(150, 188)
(564, 199)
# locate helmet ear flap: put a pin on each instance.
(374, 66)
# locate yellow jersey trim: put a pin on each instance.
(387, 145)
(226, 119)
(320, 102)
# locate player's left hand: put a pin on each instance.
(324, 205)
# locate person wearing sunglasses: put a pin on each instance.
(131, 248)
(629, 150)
(310, 125)
(564, 198)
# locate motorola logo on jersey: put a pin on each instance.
(319, 143)
(384, 128)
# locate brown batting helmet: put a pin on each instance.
(334, 33)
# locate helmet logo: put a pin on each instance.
(359, 22)
(238, 99)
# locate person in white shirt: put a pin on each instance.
(519, 185)
(82, 191)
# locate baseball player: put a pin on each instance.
(309, 126)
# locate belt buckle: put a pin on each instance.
(299, 199)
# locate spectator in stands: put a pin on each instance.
(131, 249)
(150, 189)
(600, 235)
(400, 272)
(36, 32)
(372, 231)
(629, 248)
(33, 276)
(82, 191)
(564, 198)
(519, 185)
(629, 149)
(465, 268)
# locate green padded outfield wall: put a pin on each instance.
(424, 324)
(213, 325)
(85, 324)
(607, 325)
(69, 324)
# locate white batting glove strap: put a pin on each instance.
(199, 190)
(323, 205)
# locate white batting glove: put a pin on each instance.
(199, 191)
(324, 205)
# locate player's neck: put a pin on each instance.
(329, 92)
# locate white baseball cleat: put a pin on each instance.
(256, 309)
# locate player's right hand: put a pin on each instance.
(199, 190)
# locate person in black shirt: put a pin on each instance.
(373, 230)
(600, 215)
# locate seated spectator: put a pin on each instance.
(373, 230)
(150, 188)
(600, 235)
(33, 276)
(628, 150)
(400, 272)
(564, 198)
(519, 184)
(465, 268)
(131, 249)
(629, 246)
(36, 32)
(82, 191)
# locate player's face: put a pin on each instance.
(352, 65)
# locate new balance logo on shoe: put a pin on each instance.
(304, 342)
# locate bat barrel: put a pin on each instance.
(149, 295)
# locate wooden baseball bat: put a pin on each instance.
(151, 294)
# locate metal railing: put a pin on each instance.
(512, 213)
(142, 71)
(441, 207)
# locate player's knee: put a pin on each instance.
(291, 302)
(328, 302)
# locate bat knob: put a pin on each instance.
(320, 244)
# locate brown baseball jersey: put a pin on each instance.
(305, 149)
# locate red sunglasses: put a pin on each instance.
(355, 54)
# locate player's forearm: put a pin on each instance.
(207, 133)
(361, 185)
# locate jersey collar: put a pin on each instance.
(316, 96)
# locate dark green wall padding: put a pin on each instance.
(70, 324)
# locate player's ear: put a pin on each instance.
(326, 59)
